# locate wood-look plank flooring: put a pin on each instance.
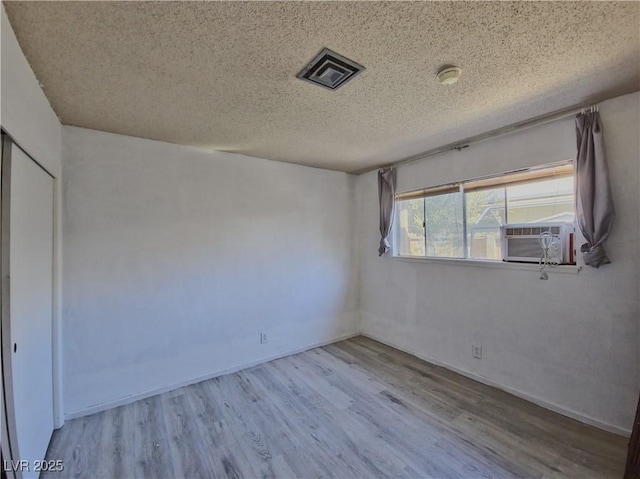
(356, 408)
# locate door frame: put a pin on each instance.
(10, 448)
(8, 424)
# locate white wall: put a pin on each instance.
(176, 258)
(570, 342)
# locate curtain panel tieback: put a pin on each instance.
(594, 255)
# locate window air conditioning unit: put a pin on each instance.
(521, 242)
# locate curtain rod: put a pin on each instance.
(459, 145)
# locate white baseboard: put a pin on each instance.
(536, 400)
(153, 392)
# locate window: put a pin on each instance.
(464, 220)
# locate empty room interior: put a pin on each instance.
(299, 239)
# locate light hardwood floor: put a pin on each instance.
(356, 408)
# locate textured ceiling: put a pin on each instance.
(222, 75)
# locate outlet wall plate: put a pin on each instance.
(476, 350)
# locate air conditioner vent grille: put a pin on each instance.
(533, 231)
(521, 242)
(330, 70)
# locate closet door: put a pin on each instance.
(30, 304)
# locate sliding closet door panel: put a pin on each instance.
(31, 295)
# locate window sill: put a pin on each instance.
(479, 263)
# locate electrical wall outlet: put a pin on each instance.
(263, 338)
(476, 350)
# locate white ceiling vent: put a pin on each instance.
(330, 70)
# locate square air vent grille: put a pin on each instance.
(330, 70)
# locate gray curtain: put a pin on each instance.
(594, 206)
(387, 197)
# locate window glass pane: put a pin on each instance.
(410, 238)
(541, 201)
(443, 214)
(485, 215)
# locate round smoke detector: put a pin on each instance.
(448, 75)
